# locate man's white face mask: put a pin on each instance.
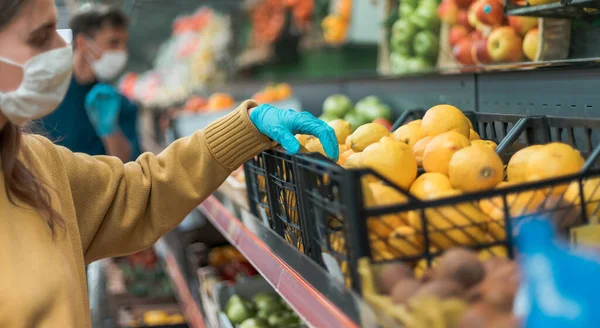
(109, 65)
(46, 79)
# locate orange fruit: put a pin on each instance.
(515, 170)
(220, 101)
(409, 134)
(283, 91)
(440, 149)
(444, 118)
(419, 149)
(553, 160)
(486, 143)
(475, 168)
(429, 184)
(392, 159)
(344, 156)
(473, 135)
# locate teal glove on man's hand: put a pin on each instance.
(103, 104)
(282, 124)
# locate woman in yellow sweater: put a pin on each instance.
(60, 210)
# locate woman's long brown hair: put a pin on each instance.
(20, 181)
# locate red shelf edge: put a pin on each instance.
(308, 302)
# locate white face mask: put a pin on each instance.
(46, 79)
(109, 65)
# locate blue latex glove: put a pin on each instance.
(102, 105)
(282, 124)
(559, 287)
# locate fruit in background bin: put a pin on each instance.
(440, 150)
(373, 111)
(254, 323)
(392, 159)
(429, 184)
(384, 122)
(522, 24)
(463, 18)
(505, 45)
(541, 2)
(425, 16)
(418, 64)
(342, 130)
(401, 48)
(490, 12)
(515, 170)
(327, 118)
(337, 106)
(464, 4)
(195, 103)
(238, 310)
(462, 52)
(366, 135)
(443, 118)
(398, 63)
(531, 43)
(426, 44)
(283, 91)
(218, 101)
(409, 134)
(448, 11)
(405, 9)
(262, 300)
(475, 168)
(283, 319)
(335, 28)
(480, 53)
(156, 318)
(553, 160)
(457, 33)
(419, 149)
(403, 32)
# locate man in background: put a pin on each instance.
(94, 118)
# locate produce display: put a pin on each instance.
(230, 263)
(264, 310)
(367, 110)
(480, 33)
(216, 102)
(144, 276)
(273, 93)
(414, 37)
(462, 289)
(336, 25)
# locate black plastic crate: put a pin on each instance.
(333, 199)
(256, 185)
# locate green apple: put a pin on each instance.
(403, 31)
(405, 10)
(401, 49)
(398, 63)
(418, 65)
(425, 16)
(412, 3)
(355, 120)
(426, 44)
(337, 105)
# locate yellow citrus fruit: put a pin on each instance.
(460, 224)
(473, 135)
(419, 149)
(444, 118)
(553, 160)
(342, 129)
(416, 122)
(591, 197)
(515, 170)
(342, 148)
(392, 159)
(485, 143)
(385, 195)
(367, 134)
(429, 184)
(475, 168)
(314, 146)
(409, 134)
(344, 156)
(303, 139)
(440, 149)
(470, 124)
(404, 241)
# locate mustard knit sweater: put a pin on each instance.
(110, 209)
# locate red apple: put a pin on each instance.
(462, 52)
(464, 4)
(384, 122)
(457, 33)
(531, 43)
(476, 35)
(480, 53)
(490, 12)
(505, 45)
(462, 18)
(448, 11)
(522, 24)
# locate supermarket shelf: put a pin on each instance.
(310, 290)
(188, 304)
(563, 9)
